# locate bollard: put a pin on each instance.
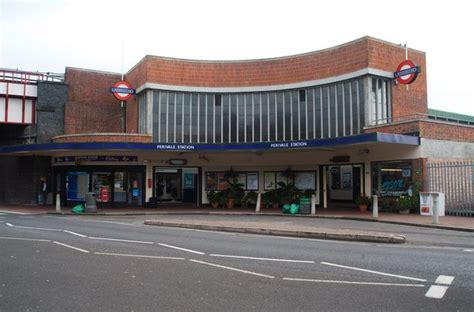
(313, 204)
(58, 202)
(259, 200)
(435, 208)
(375, 207)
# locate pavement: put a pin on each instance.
(185, 217)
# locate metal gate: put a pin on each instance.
(456, 180)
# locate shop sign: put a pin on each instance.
(64, 159)
(406, 72)
(122, 90)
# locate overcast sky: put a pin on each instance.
(50, 35)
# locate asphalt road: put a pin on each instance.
(50, 263)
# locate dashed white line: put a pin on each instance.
(26, 239)
(72, 247)
(121, 240)
(138, 256)
(468, 250)
(261, 259)
(12, 212)
(74, 233)
(36, 228)
(231, 268)
(445, 280)
(182, 249)
(436, 292)
(9, 224)
(351, 282)
(374, 272)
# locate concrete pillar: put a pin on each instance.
(259, 202)
(313, 204)
(375, 207)
(58, 202)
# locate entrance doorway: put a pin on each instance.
(343, 184)
(176, 185)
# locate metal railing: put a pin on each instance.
(20, 76)
(456, 180)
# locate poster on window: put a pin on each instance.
(221, 181)
(242, 179)
(347, 180)
(269, 180)
(335, 178)
(305, 180)
(188, 180)
(252, 181)
(211, 181)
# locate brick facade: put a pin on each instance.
(91, 107)
(430, 129)
(103, 137)
(359, 54)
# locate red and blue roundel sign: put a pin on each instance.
(406, 72)
(122, 90)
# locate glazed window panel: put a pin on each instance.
(241, 107)
(225, 117)
(272, 117)
(194, 118)
(187, 117)
(287, 109)
(310, 114)
(265, 115)
(179, 118)
(318, 112)
(202, 118)
(280, 116)
(233, 118)
(257, 118)
(302, 115)
(249, 126)
(294, 115)
(163, 106)
(340, 110)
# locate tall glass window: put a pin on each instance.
(327, 111)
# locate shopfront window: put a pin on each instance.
(216, 181)
(77, 185)
(101, 186)
(392, 179)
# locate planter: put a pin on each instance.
(215, 205)
(363, 207)
(230, 203)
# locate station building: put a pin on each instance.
(336, 118)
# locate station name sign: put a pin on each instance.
(122, 90)
(235, 146)
(64, 159)
(406, 72)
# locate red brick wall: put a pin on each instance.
(387, 57)
(91, 107)
(310, 66)
(430, 130)
(105, 137)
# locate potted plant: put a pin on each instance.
(407, 203)
(249, 198)
(363, 202)
(272, 198)
(214, 198)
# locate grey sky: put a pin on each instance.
(50, 35)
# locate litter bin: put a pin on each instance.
(91, 203)
(305, 205)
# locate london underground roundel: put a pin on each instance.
(122, 90)
(406, 72)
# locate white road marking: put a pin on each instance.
(26, 239)
(374, 272)
(74, 233)
(182, 249)
(36, 228)
(9, 224)
(231, 268)
(468, 250)
(445, 280)
(262, 259)
(11, 212)
(72, 247)
(436, 292)
(121, 240)
(351, 282)
(138, 256)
